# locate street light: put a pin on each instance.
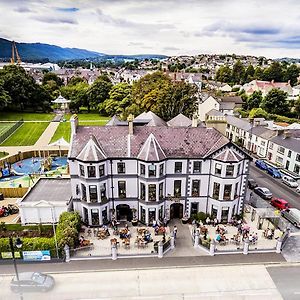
(19, 245)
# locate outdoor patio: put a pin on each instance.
(101, 246)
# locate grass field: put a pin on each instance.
(3, 154)
(5, 126)
(26, 135)
(63, 130)
(92, 119)
(15, 116)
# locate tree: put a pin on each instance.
(52, 77)
(223, 74)
(275, 102)
(238, 73)
(98, 92)
(254, 100)
(273, 72)
(297, 107)
(249, 74)
(292, 74)
(119, 99)
(75, 80)
(258, 74)
(5, 98)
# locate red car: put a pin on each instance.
(280, 203)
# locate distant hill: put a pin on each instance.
(289, 59)
(43, 52)
(38, 51)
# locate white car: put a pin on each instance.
(290, 181)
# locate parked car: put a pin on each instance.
(32, 282)
(261, 164)
(273, 172)
(252, 184)
(298, 189)
(293, 215)
(280, 203)
(290, 181)
(263, 192)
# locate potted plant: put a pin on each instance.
(134, 220)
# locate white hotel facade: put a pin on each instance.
(155, 172)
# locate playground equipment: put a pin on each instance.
(6, 171)
(46, 164)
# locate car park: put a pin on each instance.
(252, 184)
(261, 164)
(280, 203)
(263, 192)
(32, 282)
(290, 181)
(293, 215)
(273, 172)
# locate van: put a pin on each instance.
(290, 181)
(293, 215)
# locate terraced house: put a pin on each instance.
(148, 169)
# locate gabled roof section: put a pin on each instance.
(180, 121)
(150, 118)
(92, 151)
(228, 155)
(151, 150)
(114, 121)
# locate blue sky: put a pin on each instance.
(171, 27)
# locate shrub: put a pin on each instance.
(200, 216)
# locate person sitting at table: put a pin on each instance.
(128, 234)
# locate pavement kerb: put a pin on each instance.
(267, 265)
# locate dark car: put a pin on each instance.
(263, 192)
(252, 184)
(32, 282)
(261, 164)
(273, 172)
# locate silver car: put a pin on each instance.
(32, 282)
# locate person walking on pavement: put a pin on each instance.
(175, 231)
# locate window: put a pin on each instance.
(95, 216)
(194, 208)
(298, 157)
(101, 170)
(289, 153)
(195, 188)
(161, 170)
(122, 189)
(152, 192)
(152, 170)
(178, 167)
(91, 171)
(238, 170)
(121, 168)
(83, 191)
(197, 167)
(142, 169)
(218, 169)
(103, 191)
(216, 190)
(177, 188)
(93, 193)
(81, 168)
(271, 146)
(279, 160)
(161, 191)
(236, 194)
(297, 169)
(280, 150)
(143, 191)
(229, 170)
(227, 191)
(237, 130)
(263, 143)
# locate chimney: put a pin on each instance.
(195, 121)
(74, 124)
(280, 132)
(130, 124)
(286, 134)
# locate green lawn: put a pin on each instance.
(63, 130)
(3, 154)
(15, 116)
(5, 126)
(26, 135)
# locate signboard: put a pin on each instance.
(8, 255)
(36, 255)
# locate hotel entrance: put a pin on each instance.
(124, 212)
(176, 211)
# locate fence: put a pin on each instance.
(10, 131)
(13, 192)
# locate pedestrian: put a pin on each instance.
(215, 222)
(175, 231)
(207, 221)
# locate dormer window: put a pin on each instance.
(152, 170)
(121, 168)
(91, 171)
(81, 168)
(178, 167)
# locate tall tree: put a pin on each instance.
(258, 74)
(297, 107)
(223, 74)
(238, 73)
(254, 100)
(77, 94)
(5, 98)
(249, 73)
(52, 77)
(275, 102)
(274, 72)
(292, 74)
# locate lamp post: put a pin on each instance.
(19, 245)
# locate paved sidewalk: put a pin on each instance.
(46, 136)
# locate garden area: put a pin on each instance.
(5, 126)
(26, 116)
(27, 134)
(41, 237)
(63, 130)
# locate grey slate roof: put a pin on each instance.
(288, 143)
(174, 141)
(263, 132)
(150, 119)
(151, 150)
(114, 121)
(227, 155)
(92, 151)
(52, 190)
(214, 112)
(233, 99)
(180, 121)
(238, 122)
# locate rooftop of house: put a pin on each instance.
(90, 143)
(263, 132)
(287, 142)
(239, 122)
(234, 99)
(49, 189)
(180, 121)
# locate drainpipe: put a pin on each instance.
(112, 184)
(206, 211)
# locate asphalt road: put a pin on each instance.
(287, 281)
(279, 189)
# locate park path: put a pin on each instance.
(46, 136)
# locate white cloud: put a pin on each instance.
(269, 27)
